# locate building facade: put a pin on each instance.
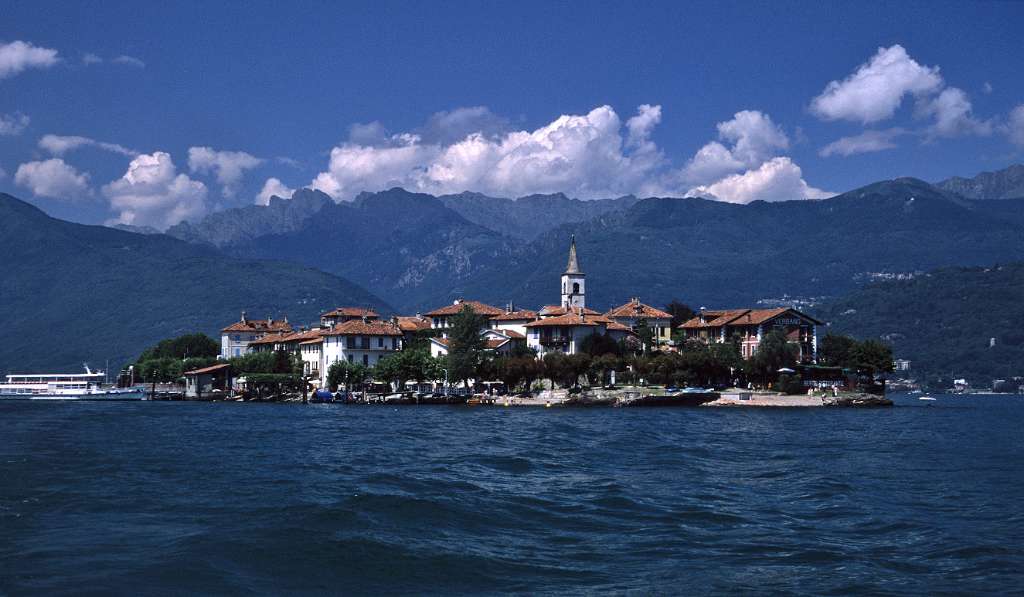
(358, 341)
(235, 338)
(634, 313)
(747, 327)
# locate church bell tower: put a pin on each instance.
(573, 286)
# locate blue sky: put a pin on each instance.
(730, 100)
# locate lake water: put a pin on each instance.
(172, 498)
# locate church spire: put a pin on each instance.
(573, 266)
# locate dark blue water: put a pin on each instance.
(172, 498)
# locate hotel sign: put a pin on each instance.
(789, 321)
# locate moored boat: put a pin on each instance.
(64, 386)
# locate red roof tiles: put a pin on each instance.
(357, 327)
(259, 325)
(476, 306)
(636, 309)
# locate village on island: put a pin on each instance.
(565, 353)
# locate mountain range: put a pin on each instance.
(72, 293)
(420, 251)
(1003, 184)
(80, 290)
(952, 322)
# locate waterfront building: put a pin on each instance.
(235, 338)
(748, 326)
(311, 352)
(360, 341)
(343, 314)
(634, 313)
(564, 333)
(901, 365)
(440, 319)
(201, 382)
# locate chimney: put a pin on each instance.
(510, 308)
(243, 317)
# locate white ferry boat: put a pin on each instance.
(64, 386)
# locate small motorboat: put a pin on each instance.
(927, 398)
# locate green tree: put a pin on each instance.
(774, 352)
(872, 356)
(680, 312)
(645, 334)
(835, 350)
(337, 374)
(465, 346)
(183, 347)
(599, 344)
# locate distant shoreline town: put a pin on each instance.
(470, 343)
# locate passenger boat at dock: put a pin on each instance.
(64, 386)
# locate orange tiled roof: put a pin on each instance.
(519, 315)
(352, 312)
(635, 308)
(477, 307)
(210, 369)
(556, 310)
(357, 327)
(714, 319)
(259, 325)
(614, 325)
(412, 323)
(570, 319)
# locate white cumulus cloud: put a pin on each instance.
(953, 115)
(13, 124)
(229, 166)
(58, 145)
(1015, 126)
(53, 178)
(129, 61)
(777, 179)
(153, 193)
(272, 187)
(876, 89)
(18, 56)
(752, 138)
(588, 155)
(866, 142)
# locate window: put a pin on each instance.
(350, 358)
(366, 359)
(575, 287)
(380, 341)
(237, 352)
(236, 337)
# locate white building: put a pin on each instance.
(634, 312)
(235, 338)
(365, 342)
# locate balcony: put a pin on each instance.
(560, 341)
